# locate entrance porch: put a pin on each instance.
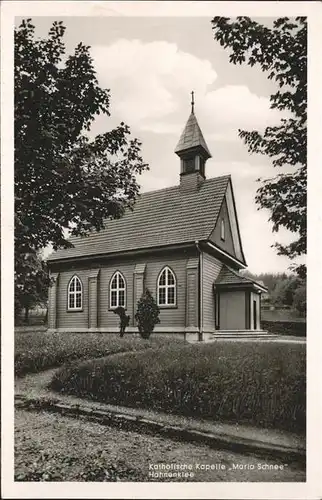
(237, 303)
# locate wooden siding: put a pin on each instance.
(71, 319)
(210, 270)
(52, 301)
(192, 294)
(232, 310)
(93, 301)
(138, 288)
(169, 316)
(227, 244)
(106, 315)
(191, 287)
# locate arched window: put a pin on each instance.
(222, 230)
(117, 291)
(167, 288)
(75, 294)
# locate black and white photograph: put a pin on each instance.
(159, 281)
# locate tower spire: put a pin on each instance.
(192, 151)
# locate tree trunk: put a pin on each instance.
(46, 317)
(26, 320)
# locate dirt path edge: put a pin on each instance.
(134, 422)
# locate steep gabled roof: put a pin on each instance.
(165, 217)
(192, 137)
(228, 276)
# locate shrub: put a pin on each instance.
(124, 319)
(147, 315)
(255, 383)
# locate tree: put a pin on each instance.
(147, 315)
(31, 283)
(292, 284)
(283, 292)
(299, 300)
(65, 182)
(281, 52)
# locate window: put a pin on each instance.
(117, 291)
(189, 165)
(75, 294)
(166, 288)
(222, 230)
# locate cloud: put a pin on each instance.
(235, 106)
(147, 79)
(221, 113)
(151, 82)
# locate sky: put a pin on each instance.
(151, 65)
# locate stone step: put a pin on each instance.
(239, 335)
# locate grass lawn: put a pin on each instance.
(51, 447)
(38, 351)
(261, 384)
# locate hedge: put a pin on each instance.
(254, 383)
(39, 351)
(295, 328)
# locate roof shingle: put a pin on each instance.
(165, 217)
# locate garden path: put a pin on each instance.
(35, 386)
(51, 447)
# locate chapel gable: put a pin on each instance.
(222, 234)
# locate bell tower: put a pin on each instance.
(193, 153)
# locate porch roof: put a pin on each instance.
(229, 277)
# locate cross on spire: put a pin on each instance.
(192, 101)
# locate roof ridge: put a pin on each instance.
(237, 274)
(245, 278)
(167, 188)
(256, 282)
(177, 186)
(226, 176)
